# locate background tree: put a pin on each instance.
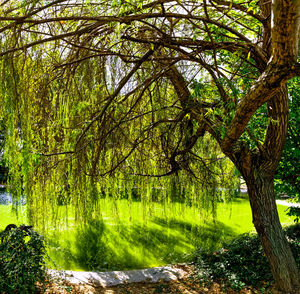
(135, 86)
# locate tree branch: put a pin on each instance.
(116, 93)
(264, 89)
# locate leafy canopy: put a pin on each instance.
(98, 93)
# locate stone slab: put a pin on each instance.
(107, 279)
(287, 203)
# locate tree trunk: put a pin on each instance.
(267, 224)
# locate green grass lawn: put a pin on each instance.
(128, 235)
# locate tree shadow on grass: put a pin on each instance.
(79, 247)
(90, 246)
(104, 246)
(209, 234)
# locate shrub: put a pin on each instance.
(22, 264)
(242, 262)
(294, 212)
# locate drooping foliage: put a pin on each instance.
(105, 107)
(124, 156)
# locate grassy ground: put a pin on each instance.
(131, 236)
(239, 267)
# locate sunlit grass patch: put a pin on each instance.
(8, 216)
(129, 235)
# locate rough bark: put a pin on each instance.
(285, 31)
(258, 168)
(268, 227)
(280, 42)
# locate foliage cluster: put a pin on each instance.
(242, 262)
(22, 260)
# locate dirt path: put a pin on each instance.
(184, 286)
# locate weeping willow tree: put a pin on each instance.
(96, 94)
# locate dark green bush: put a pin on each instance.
(22, 264)
(294, 212)
(242, 262)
